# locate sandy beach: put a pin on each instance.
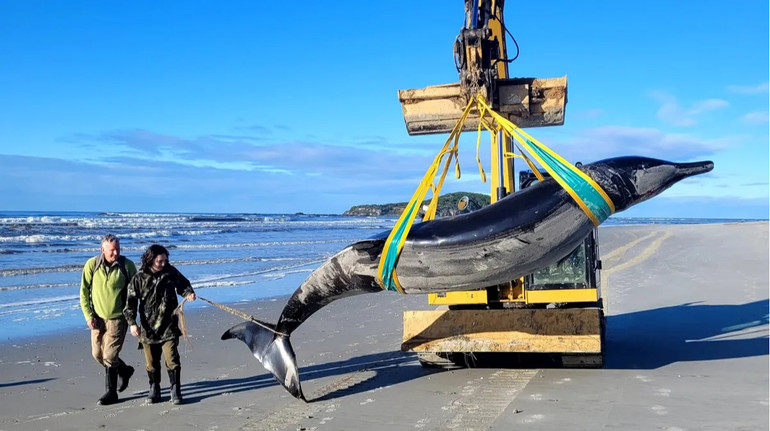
(687, 349)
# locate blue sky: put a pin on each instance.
(250, 106)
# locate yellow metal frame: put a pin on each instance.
(502, 73)
(458, 297)
(514, 295)
(561, 295)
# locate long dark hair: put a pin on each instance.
(149, 255)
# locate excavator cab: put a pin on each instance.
(573, 279)
(578, 270)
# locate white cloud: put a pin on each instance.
(749, 89)
(34, 183)
(756, 117)
(382, 165)
(672, 112)
(612, 141)
(362, 162)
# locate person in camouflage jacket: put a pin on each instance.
(152, 292)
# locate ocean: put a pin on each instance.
(228, 257)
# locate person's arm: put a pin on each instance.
(131, 270)
(132, 301)
(86, 280)
(183, 286)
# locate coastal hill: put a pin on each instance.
(447, 206)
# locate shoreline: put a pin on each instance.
(686, 310)
(198, 307)
(60, 324)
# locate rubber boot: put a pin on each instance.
(124, 373)
(153, 395)
(176, 391)
(111, 385)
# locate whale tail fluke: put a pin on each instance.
(273, 350)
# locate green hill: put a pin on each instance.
(447, 206)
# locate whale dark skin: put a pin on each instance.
(517, 235)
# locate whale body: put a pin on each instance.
(517, 235)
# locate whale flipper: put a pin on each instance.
(273, 350)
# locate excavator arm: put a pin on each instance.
(482, 62)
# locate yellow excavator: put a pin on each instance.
(557, 311)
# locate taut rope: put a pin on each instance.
(180, 312)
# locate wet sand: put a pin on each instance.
(686, 349)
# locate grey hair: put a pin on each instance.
(110, 238)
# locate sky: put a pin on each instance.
(259, 107)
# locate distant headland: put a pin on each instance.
(447, 206)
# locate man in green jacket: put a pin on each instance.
(102, 298)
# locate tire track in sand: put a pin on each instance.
(636, 260)
(297, 411)
(483, 400)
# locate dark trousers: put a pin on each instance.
(169, 349)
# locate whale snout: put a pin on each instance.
(685, 170)
(633, 179)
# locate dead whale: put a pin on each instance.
(515, 236)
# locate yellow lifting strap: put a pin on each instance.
(588, 195)
(395, 242)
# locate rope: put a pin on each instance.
(180, 312)
(182, 325)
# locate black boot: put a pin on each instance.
(176, 391)
(153, 395)
(111, 385)
(124, 373)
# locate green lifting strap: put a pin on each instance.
(395, 242)
(388, 259)
(571, 181)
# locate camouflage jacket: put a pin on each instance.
(155, 295)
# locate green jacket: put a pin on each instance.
(153, 295)
(103, 288)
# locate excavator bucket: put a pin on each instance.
(527, 102)
(573, 330)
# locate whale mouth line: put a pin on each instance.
(695, 168)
